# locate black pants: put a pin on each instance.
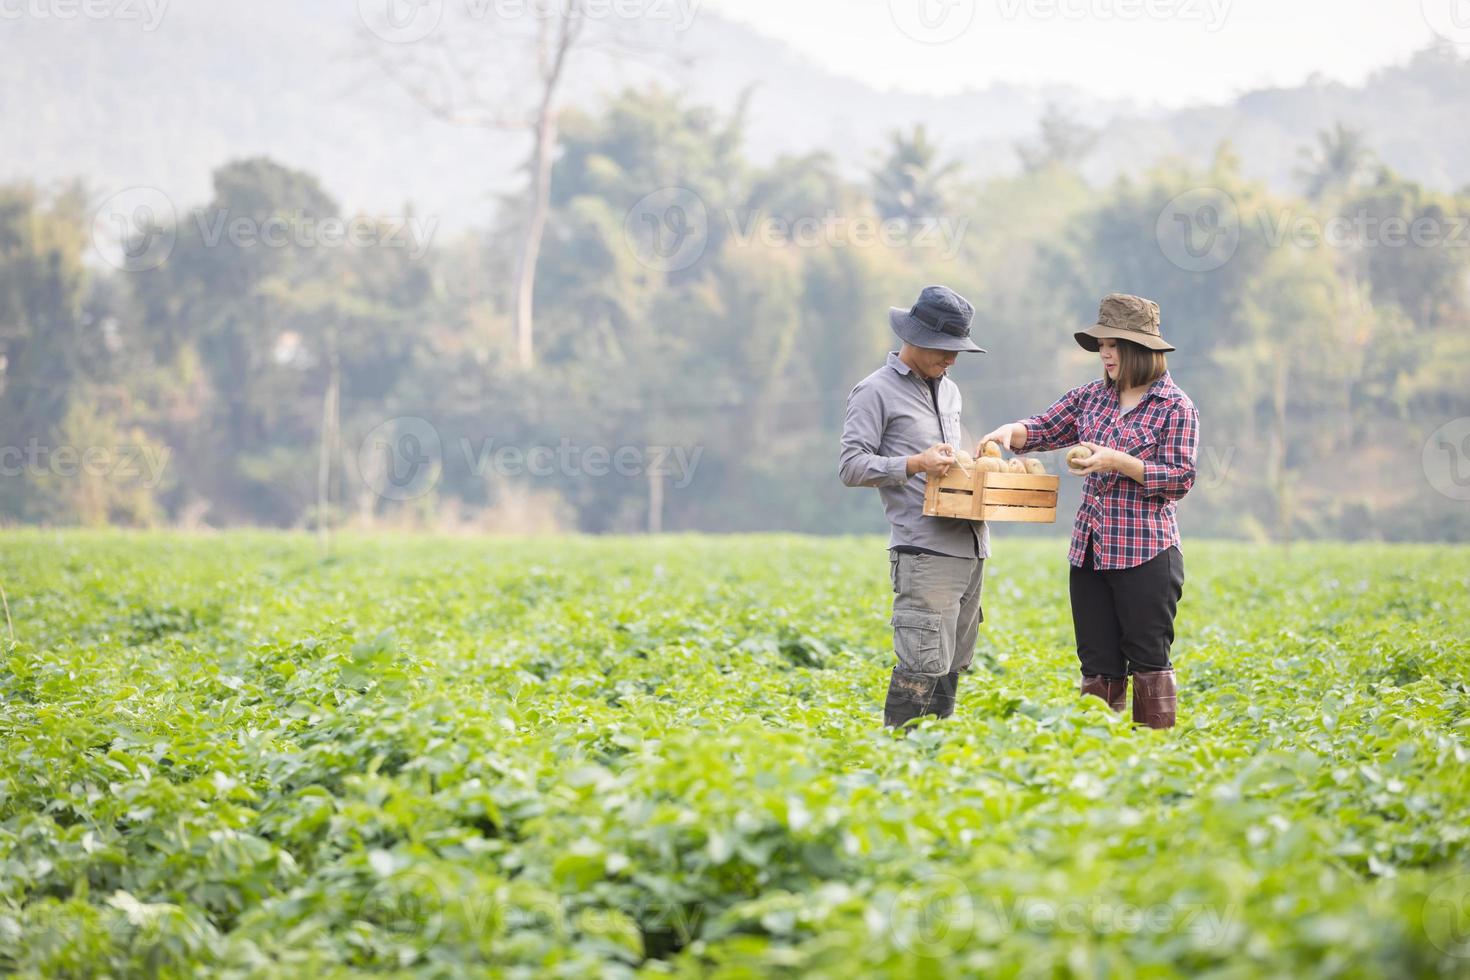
(1124, 618)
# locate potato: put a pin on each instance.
(1076, 456)
(964, 458)
(991, 449)
(1034, 467)
(990, 464)
(1015, 466)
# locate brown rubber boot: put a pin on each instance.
(910, 696)
(1113, 690)
(1154, 698)
(945, 690)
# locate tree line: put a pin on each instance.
(699, 319)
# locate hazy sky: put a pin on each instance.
(1164, 51)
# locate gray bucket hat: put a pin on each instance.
(940, 320)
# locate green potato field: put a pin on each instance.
(228, 756)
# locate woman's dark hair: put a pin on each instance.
(1138, 365)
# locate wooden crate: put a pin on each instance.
(984, 496)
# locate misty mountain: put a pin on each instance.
(199, 83)
(1412, 118)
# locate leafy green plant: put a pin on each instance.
(634, 756)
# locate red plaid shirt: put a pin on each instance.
(1127, 523)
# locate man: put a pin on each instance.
(903, 420)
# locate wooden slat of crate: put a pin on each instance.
(944, 501)
(981, 495)
(1020, 498)
(1022, 481)
(1027, 515)
(961, 500)
(1027, 498)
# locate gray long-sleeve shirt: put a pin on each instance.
(890, 417)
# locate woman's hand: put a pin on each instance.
(1105, 460)
(1011, 436)
(1100, 459)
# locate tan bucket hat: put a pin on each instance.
(1124, 317)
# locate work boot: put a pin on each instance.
(1154, 698)
(1113, 690)
(910, 695)
(945, 690)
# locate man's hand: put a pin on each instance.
(1011, 436)
(935, 461)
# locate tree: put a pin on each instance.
(597, 287)
(1414, 255)
(116, 473)
(1338, 161)
(213, 296)
(656, 328)
(472, 73)
(49, 346)
(1300, 368)
(1063, 142)
(808, 186)
(910, 184)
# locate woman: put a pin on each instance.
(1140, 433)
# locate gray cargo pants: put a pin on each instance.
(936, 621)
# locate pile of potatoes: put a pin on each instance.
(990, 461)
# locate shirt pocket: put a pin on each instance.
(1138, 441)
(952, 429)
(1091, 425)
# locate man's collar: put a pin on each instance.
(896, 362)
